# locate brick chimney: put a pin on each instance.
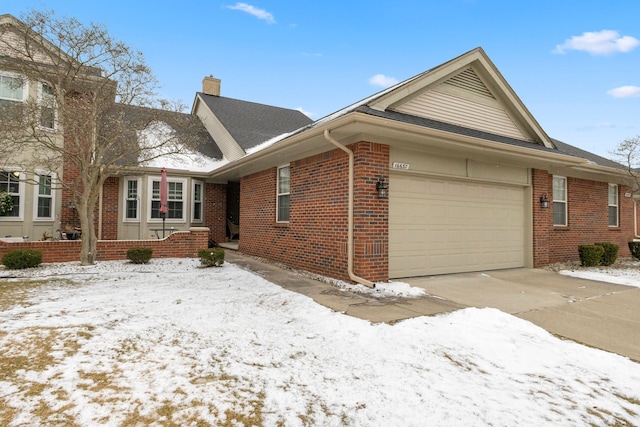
(211, 85)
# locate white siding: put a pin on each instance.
(465, 101)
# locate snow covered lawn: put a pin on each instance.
(169, 343)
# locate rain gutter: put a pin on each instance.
(352, 276)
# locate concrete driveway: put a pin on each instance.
(597, 314)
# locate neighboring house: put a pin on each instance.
(474, 184)
(36, 201)
(128, 205)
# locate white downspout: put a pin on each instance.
(352, 276)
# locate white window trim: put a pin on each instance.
(278, 194)
(55, 110)
(125, 198)
(185, 200)
(617, 205)
(25, 86)
(36, 195)
(565, 201)
(21, 192)
(193, 201)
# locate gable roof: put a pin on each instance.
(250, 123)
(464, 102)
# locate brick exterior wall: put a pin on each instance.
(110, 202)
(181, 244)
(215, 211)
(588, 219)
(315, 239)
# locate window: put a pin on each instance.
(613, 205)
(559, 200)
(196, 215)
(47, 107)
(132, 199)
(283, 197)
(11, 184)
(175, 192)
(44, 196)
(12, 89)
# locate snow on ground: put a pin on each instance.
(169, 342)
(620, 276)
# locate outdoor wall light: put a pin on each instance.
(544, 202)
(383, 188)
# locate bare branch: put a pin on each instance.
(89, 105)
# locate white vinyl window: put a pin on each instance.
(559, 200)
(176, 191)
(44, 193)
(283, 194)
(132, 199)
(197, 208)
(613, 205)
(12, 89)
(12, 183)
(47, 105)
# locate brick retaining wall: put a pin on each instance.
(181, 244)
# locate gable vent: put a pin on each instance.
(469, 81)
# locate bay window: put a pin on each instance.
(132, 199)
(196, 213)
(176, 199)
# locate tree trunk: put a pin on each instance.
(89, 239)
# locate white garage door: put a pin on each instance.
(440, 226)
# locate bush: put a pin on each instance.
(212, 257)
(139, 255)
(634, 247)
(610, 253)
(590, 255)
(22, 258)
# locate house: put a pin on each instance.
(445, 172)
(474, 183)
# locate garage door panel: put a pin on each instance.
(440, 226)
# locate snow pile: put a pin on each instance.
(172, 343)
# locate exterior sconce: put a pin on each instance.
(383, 188)
(544, 202)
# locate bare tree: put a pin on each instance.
(627, 153)
(96, 99)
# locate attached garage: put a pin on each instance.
(449, 225)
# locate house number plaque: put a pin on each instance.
(398, 165)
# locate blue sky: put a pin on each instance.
(575, 65)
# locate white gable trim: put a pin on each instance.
(488, 74)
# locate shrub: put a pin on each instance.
(634, 247)
(139, 255)
(22, 258)
(590, 255)
(610, 253)
(212, 257)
